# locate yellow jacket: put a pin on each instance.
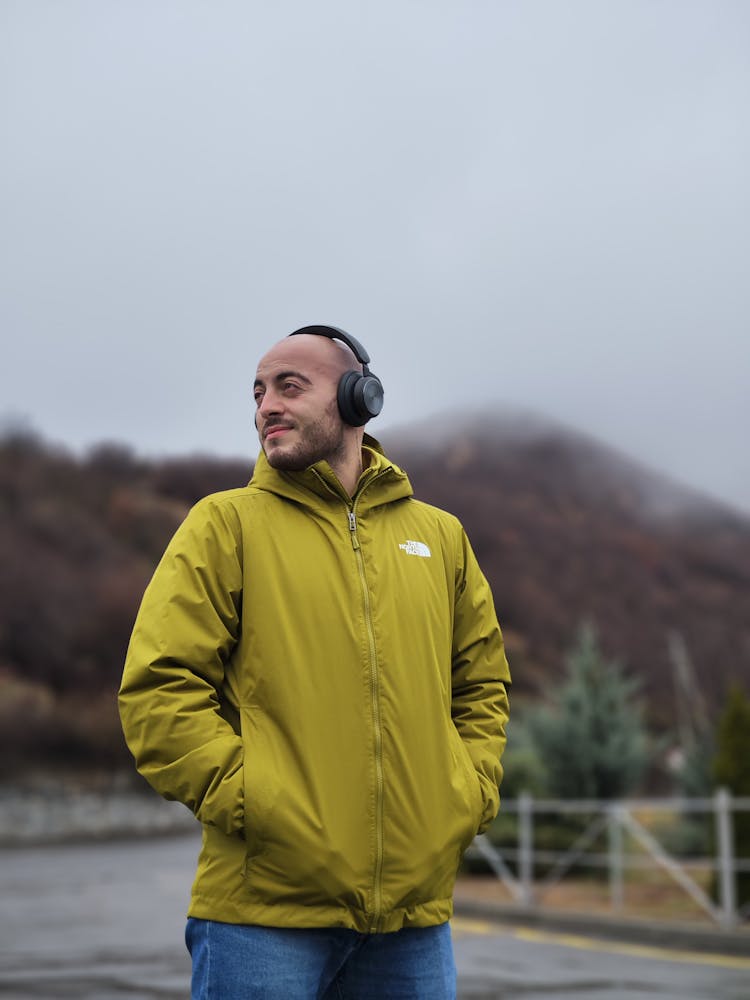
(322, 681)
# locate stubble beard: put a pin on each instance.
(321, 440)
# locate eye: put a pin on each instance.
(258, 396)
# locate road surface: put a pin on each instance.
(104, 921)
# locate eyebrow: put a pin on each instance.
(291, 373)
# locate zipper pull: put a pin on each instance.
(353, 529)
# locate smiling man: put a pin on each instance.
(317, 672)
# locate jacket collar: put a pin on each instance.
(381, 481)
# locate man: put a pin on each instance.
(317, 672)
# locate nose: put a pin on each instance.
(270, 402)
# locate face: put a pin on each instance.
(297, 415)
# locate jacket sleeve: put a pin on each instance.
(479, 704)
(170, 699)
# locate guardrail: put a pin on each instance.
(616, 823)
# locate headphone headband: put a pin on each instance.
(335, 333)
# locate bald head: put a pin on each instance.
(329, 358)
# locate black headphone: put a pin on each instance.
(359, 394)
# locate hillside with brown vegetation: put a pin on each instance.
(565, 530)
(79, 539)
(568, 530)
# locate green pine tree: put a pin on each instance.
(732, 770)
(523, 769)
(592, 739)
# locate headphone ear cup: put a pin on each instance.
(345, 397)
(360, 397)
(368, 396)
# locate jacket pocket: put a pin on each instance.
(258, 786)
(470, 786)
(306, 840)
(433, 829)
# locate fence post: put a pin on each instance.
(614, 830)
(725, 858)
(526, 847)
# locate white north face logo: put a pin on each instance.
(415, 549)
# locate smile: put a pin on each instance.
(276, 431)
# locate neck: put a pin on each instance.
(348, 470)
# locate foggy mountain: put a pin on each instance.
(569, 530)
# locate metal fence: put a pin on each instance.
(610, 836)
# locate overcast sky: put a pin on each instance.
(531, 203)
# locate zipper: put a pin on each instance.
(353, 529)
(377, 885)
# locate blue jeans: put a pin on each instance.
(248, 962)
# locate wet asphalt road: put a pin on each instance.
(104, 921)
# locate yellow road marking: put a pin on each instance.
(467, 926)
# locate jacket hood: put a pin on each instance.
(319, 481)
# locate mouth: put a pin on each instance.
(276, 431)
